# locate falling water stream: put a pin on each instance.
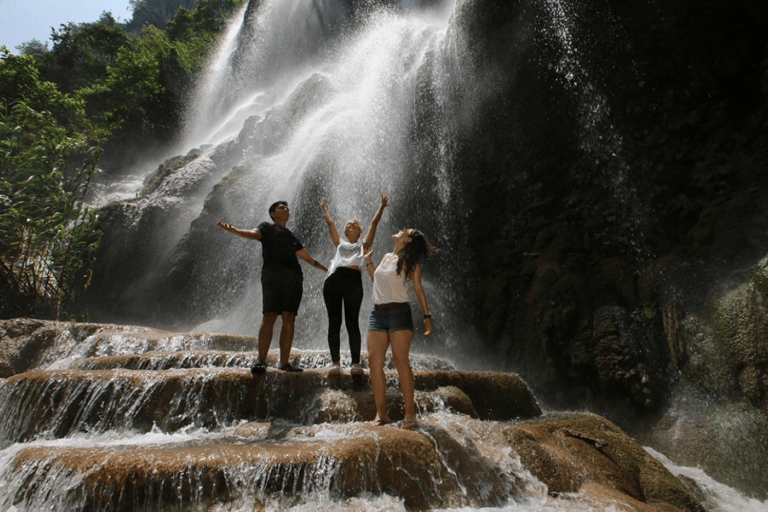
(332, 121)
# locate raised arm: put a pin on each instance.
(368, 263)
(422, 299)
(254, 234)
(304, 254)
(371, 234)
(331, 226)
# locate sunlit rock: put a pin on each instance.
(30, 343)
(449, 461)
(183, 390)
(141, 428)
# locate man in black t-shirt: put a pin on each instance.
(282, 282)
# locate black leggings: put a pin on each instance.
(344, 285)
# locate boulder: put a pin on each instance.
(455, 462)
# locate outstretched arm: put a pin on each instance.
(422, 299)
(304, 254)
(368, 263)
(331, 226)
(254, 234)
(371, 234)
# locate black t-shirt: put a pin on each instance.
(279, 246)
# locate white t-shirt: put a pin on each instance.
(347, 255)
(387, 285)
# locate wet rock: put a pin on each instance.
(728, 347)
(603, 459)
(449, 463)
(59, 403)
(496, 396)
(29, 343)
(23, 344)
(141, 234)
(272, 440)
(728, 439)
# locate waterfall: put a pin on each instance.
(204, 98)
(306, 99)
(314, 99)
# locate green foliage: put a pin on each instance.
(20, 80)
(33, 47)
(82, 52)
(208, 19)
(195, 32)
(101, 84)
(127, 84)
(155, 12)
(46, 229)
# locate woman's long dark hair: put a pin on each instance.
(419, 247)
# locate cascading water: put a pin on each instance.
(164, 421)
(205, 98)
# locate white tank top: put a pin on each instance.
(387, 285)
(347, 255)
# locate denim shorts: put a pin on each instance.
(391, 317)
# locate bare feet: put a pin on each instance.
(380, 422)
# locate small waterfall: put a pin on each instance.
(204, 101)
(264, 48)
(191, 429)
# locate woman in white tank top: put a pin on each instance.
(343, 286)
(390, 322)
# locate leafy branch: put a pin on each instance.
(46, 229)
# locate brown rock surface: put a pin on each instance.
(589, 452)
(61, 402)
(425, 468)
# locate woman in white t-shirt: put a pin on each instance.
(390, 322)
(344, 286)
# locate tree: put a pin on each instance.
(81, 52)
(155, 12)
(33, 47)
(46, 230)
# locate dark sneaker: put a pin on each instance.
(259, 368)
(288, 367)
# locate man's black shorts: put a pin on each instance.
(281, 289)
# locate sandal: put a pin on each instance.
(407, 424)
(288, 367)
(260, 368)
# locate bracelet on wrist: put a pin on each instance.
(427, 316)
